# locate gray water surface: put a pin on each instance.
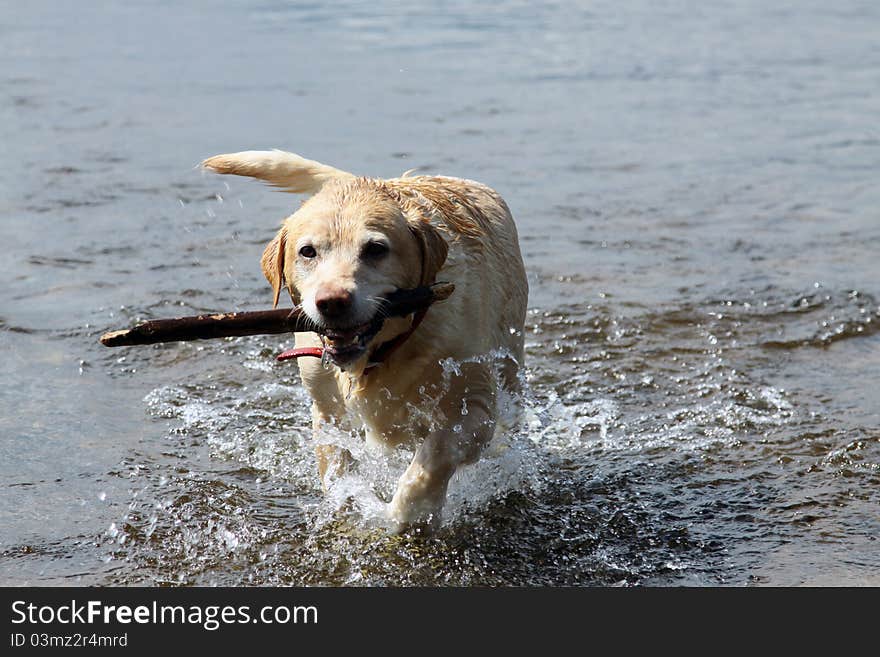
(697, 193)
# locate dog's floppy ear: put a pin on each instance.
(433, 247)
(272, 263)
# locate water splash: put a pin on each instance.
(585, 469)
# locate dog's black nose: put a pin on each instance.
(333, 303)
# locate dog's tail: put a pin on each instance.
(288, 171)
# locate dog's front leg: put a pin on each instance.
(328, 414)
(469, 425)
(333, 460)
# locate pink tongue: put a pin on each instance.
(317, 352)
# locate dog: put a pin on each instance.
(431, 382)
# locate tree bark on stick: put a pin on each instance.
(261, 322)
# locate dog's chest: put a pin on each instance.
(390, 414)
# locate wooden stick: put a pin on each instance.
(261, 322)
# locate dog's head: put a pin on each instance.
(342, 251)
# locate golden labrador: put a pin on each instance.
(429, 381)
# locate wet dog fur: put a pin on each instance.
(356, 239)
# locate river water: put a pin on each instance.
(696, 187)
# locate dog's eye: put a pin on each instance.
(374, 250)
(308, 251)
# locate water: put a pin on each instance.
(696, 190)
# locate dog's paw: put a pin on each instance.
(422, 525)
(414, 514)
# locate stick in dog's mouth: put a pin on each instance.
(343, 346)
(267, 322)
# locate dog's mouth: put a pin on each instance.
(345, 345)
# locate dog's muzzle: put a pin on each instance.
(343, 346)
